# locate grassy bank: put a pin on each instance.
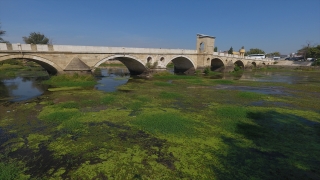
(173, 127)
(71, 81)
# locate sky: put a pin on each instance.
(271, 25)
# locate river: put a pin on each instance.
(21, 88)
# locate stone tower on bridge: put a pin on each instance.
(205, 44)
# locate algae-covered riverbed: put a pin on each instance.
(170, 127)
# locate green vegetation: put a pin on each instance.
(171, 127)
(254, 51)
(310, 52)
(16, 67)
(316, 62)
(36, 38)
(11, 171)
(230, 51)
(74, 80)
(2, 32)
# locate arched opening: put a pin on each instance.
(217, 65)
(134, 65)
(149, 59)
(182, 64)
(263, 63)
(49, 66)
(201, 47)
(239, 64)
(254, 64)
(162, 59)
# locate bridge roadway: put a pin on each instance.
(58, 59)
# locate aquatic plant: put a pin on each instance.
(167, 130)
(12, 171)
(165, 122)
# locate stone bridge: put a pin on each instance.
(68, 59)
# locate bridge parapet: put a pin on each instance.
(237, 56)
(91, 49)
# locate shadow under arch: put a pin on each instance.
(239, 63)
(217, 65)
(134, 65)
(48, 65)
(254, 64)
(182, 64)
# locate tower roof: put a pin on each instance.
(203, 35)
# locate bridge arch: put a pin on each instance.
(181, 63)
(134, 65)
(239, 63)
(217, 64)
(149, 59)
(254, 64)
(48, 65)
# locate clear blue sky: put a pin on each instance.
(271, 25)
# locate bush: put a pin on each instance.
(207, 70)
(237, 68)
(316, 63)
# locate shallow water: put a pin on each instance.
(25, 88)
(111, 78)
(290, 77)
(21, 88)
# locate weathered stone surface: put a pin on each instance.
(63, 58)
(76, 65)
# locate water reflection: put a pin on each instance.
(111, 78)
(21, 88)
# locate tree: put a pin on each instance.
(255, 51)
(2, 32)
(215, 49)
(36, 38)
(310, 51)
(230, 50)
(274, 54)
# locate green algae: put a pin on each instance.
(35, 139)
(12, 171)
(165, 122)
(161, 131)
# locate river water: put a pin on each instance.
(25, 88)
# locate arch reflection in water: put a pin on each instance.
(111, 78)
